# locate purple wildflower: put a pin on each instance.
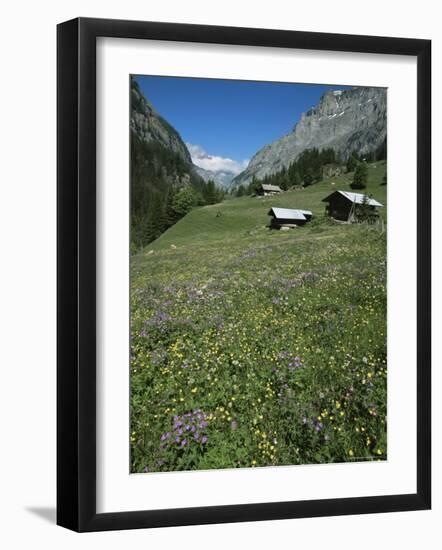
(193, 422)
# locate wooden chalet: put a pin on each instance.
(266, 189)
(344, 205)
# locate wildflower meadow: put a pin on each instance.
(258, 348)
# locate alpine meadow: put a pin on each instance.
(258, 281)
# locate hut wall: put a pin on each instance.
(277, 222)
(339, 207)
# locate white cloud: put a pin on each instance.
(201, 158)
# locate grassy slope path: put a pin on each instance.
(253, 347)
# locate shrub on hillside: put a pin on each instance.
(360, 177)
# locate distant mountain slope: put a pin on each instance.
(223, 178)
(160, 166)
(149, 126)
(345, 120)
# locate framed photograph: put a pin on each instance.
(243, 274)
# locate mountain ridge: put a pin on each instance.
(150, 126)
(347, 121)
(161, 170)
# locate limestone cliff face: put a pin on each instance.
(345, 120)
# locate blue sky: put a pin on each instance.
(229, 119)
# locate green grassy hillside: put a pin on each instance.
(239, 216)
(253, 347)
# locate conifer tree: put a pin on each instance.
(360, 176)
(352, 162)
(240, 192)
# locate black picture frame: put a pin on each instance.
(76, 274)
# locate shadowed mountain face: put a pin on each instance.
(161, 166)
(346, 121)
(149, 126)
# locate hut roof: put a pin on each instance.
(287, 214)
(307, 212)
(357, 198)
(267, 187)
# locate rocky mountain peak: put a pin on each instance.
(345, 120)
